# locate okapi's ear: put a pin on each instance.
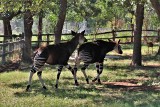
(110, 40)
(73, 33)
(83, 32)
(118, 41)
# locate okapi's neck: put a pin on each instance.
(110, 46)
(72, 44)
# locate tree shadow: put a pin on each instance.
(62, 92)
(148, 67)
(149, 58)
(127, 86)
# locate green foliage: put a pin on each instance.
(10, 5)
(97, 13)
(154, 21)
(82, 10)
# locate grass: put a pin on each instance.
(13, 84)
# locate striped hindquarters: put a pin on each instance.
(39, 61)
(85, 56)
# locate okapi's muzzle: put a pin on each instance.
(120, 52)
(119, 49)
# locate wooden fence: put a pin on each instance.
(11, 47)
(126, 37)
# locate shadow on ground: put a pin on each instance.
(128, 86)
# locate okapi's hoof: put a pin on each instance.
(76, 83)
(99, 81)
(56, 86)
(87, 80)
(28, 86)
(94, 79)
(44, 87)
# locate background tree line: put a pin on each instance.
(97, 14)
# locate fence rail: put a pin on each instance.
(126, 35)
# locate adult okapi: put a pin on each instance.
(95, 52)
(57, 54)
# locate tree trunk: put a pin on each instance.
(156, 6)
(61, 19)
(40, 22)
(7, 29)
(28, 22)
(136, 59)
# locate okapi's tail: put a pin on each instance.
(77, 60)
(39, 50)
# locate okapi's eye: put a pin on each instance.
(119, 46)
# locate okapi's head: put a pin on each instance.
(117, 47)
(79, 36)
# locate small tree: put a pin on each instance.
(136, 59)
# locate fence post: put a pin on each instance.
(21, 46)
(158, 35)
(10, 46)
(132, 26)
(3, 52)
(113, 34)
(47, 39)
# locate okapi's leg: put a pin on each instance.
(39, 61)
(77, 62)
(99, 71)
(84, 73)
(30, 78)
(97, 67)
(58, 74)
(39, 74)
(73, 73)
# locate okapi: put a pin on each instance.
(57, 54)
(95, 52)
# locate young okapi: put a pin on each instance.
(95, 52)
(57, 54)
